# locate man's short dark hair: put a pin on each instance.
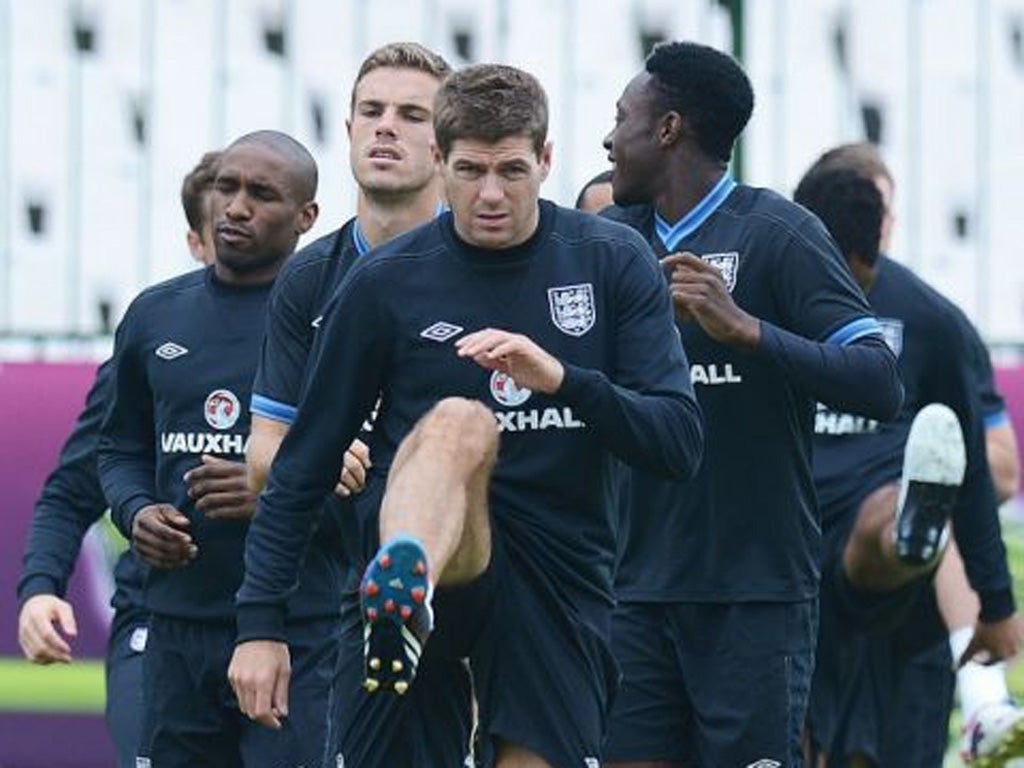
(197, 183)
(708, 88)
(850, 206)
(402, 56)
(490, 102)
(862, 157)
(604, 177)
(303, 169)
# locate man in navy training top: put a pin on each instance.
(391, 136)
(508, 315)
(170, 453)
(874, 587)
(717, 581)
(71, 501)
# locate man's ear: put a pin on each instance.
(671, 128)
(195, 246)
(307, 217)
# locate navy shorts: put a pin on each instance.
(125, 646)
(898, 694)
(543, 670)
(857, 671)
(708, 684)
(191, 716)
(543, 679)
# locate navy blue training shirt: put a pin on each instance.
(586, 290)
(185, 357)
(747, 527)
(71, 501)
(940, 361)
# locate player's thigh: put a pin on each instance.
(651, 716)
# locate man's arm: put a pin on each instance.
(953, 380)
(71, 501)
(265, 438)
(343, 383)
(852, 370)
(280, 374)
(1003, 460)
(127, 464)
(644, 409)
(344, 380)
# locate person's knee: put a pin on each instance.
(462, 426)
(514, 756)
(875, 518)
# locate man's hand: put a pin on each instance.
(38, 623)
(999, 641)
(516, 355)
(259, 674)
(220, 489)
(700, 294)
(354, 467)
(159, 535)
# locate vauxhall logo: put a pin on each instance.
(506, 392)
(221, 411)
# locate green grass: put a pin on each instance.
(1013, 535)
(76, 688)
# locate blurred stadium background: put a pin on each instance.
(106, 104)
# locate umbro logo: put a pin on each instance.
(441, 331)
(318, 322)
(169, 350)
(765, 762)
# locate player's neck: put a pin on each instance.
(384, 219)
(685, 187)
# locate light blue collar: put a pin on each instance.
(672, 235)
(363, 245)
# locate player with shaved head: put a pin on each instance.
(171, 462)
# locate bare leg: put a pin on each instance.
(437, 489)
(958, 604)
(434, 529)
(869, 559)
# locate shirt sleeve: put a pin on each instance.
(828, 341)
(993, 406)
(344, 380)
(286, 347)
(646, 412)
(975, 517)
(70, 502)
(126, 449)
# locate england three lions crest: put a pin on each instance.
(572, 308)
(727, 263)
